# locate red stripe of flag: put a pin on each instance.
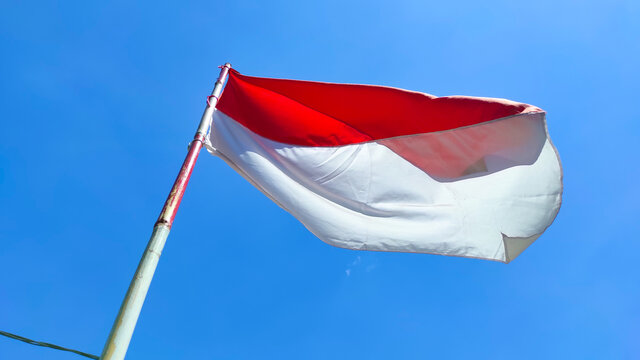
(324, 114)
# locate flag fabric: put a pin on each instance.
(378, 168)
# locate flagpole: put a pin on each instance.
(123, 326)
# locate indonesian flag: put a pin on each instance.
(377, 168)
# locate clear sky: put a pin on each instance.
(99, 99)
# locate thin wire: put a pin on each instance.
(44, 344)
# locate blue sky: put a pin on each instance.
(100, 99)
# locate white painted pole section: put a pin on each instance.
(122, 330)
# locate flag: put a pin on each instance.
(378, 168)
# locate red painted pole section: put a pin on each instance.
(170, 208)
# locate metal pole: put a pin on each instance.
(122, 330)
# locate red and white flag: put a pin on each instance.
(377, 168)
